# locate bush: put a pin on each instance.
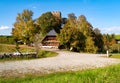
(114, 48)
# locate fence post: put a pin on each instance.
(107, 53)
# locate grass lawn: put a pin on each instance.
(11, 48)
(117, 36)
(109, 74)
(115, 56)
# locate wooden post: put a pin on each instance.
(107, 53)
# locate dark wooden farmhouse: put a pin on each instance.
(50, 40)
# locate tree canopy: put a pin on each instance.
(71, 37)
(74, 33)
(78, 33)
(24, 27)
(47, 22)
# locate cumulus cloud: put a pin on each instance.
(4, 27)
(111, 30)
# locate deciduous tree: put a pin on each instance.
(86, 28)
(70, 36)
(48, 22)
(99, 40)
(24, 27)
(90, 46)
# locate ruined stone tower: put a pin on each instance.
(56, 14)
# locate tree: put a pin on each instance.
(78, 40)
(109, 42)
(112, 41)
(79, 34)
(99, 40)
(64, 20)
(84, 26)
(72, 20)
(24, 27)
(48, 22)
(37, 42)
(106, 42)
(70, 36)
(65, 36)
(90, 47)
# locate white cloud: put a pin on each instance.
(111, 30)
(4, 27)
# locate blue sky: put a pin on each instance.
(102, 14)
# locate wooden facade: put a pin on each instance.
(50, 40)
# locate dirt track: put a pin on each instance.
(65, 61)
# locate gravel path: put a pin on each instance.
(65, 61)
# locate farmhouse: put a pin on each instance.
(50, 40)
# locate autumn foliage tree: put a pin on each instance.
(90, 45)
(71, 37)
(78, 33)
(109, 42)
(24, 27)
(87, 29)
